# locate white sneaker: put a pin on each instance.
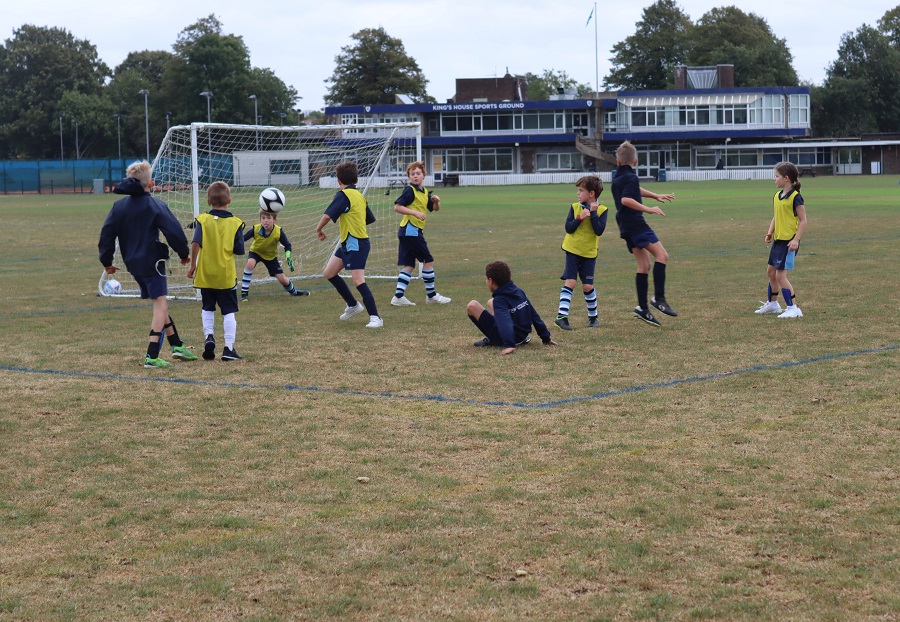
(349, 312)
(437, 299)
(375, 322)
(403, 301)
(768, 307)
(792, 311)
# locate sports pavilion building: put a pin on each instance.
(700, 127)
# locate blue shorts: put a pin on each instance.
(780, 257)
(354, 252)
(639, 239)
(579, 267)
(272, 265)
(152, 286)
(226, 299)
(413, 248)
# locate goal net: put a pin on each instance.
(300, 161)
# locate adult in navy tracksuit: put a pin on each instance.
(509, 315)
(137, 221)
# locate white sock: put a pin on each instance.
(230, 326)
(209, 322)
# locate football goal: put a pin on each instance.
(298, 160)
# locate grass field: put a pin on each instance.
(726, 466)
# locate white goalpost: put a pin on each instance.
(298, 160)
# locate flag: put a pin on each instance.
(590, 16)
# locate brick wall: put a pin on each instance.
(491, 89)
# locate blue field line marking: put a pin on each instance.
(442, 398)
(715, 376)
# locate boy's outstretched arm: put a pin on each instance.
(640, 207)
(662, 198)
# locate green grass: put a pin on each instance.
(726, 466)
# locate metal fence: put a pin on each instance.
(55, 177)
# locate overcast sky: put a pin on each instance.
(448, 38)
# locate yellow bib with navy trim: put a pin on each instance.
(420, 204)
(583, 242)
(215, 261)
(265, 246)
(786, 221)
(353, 222)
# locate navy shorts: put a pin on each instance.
(226, 299)
(780, 257)
(413, 248)
(354, 252)
(152, 286)
(272, 265)
(640, 238)
(579, 267)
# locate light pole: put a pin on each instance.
(281, 115)
(208, 95)
(168, 120)
(255, 107)
(62, 158)
(299, 112)
(255, 117)
(77, 149)
(146, 93)
(727, 140)
(119, 135)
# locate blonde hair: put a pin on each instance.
(626, 153)
(140, 170)
(218, 194)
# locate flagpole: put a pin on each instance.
(596, 53)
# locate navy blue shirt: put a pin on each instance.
(625, 183)
(515, 315)
(340, 205)
(137, 220)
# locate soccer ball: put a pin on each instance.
(112, 287)
(271, 200)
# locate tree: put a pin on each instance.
(647, 59)
(141, 70)
(861, 93)
(37, 67)
(208, 60)
(889, 24)
(541, 87)
(374, 70)
(727, 35)
(94, 116)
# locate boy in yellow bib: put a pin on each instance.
(585, 223)
(218, 237)
(266, 237)
(350, 210)
(413, 203)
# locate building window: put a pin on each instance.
(810, 156)
(478, 160)
(771, 157)
(799, 110)
(559, 161)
